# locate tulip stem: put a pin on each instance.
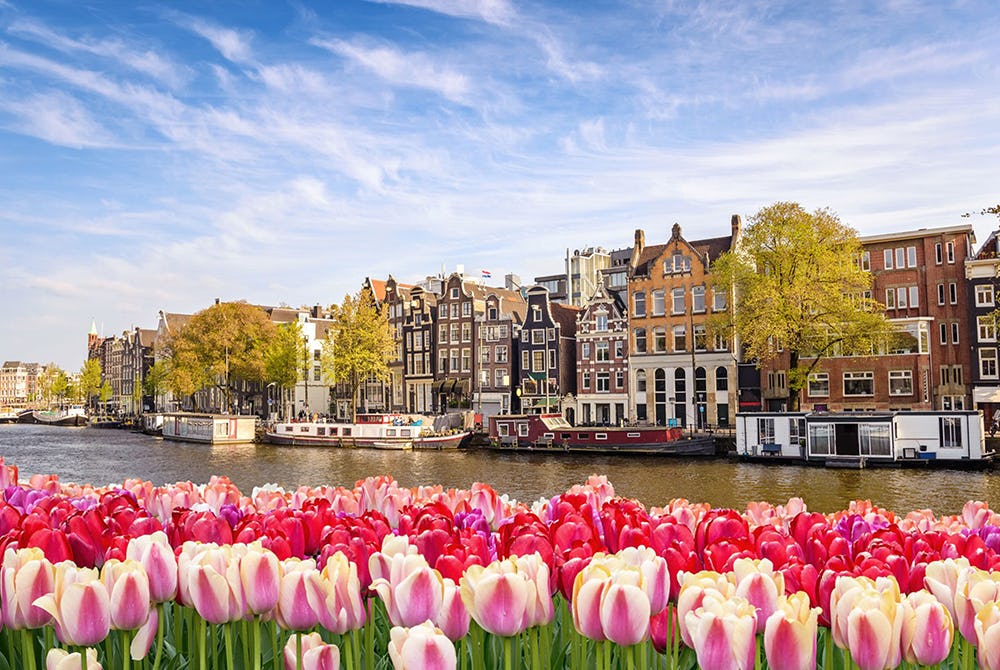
(202, 646)
(26, 649)
(160, 625)
(508, 652)
(298, 650)
(126, 651)
(227, 637)
(255, 642)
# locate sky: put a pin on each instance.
(157, 156)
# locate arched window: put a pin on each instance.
(721, 379)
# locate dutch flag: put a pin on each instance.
(487, 274)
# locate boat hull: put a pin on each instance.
(431, 442)
(73, 420)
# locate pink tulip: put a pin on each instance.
(300, 595)
(790, 634)
(588, 591)
(260, 576)
(453, 618)
(722, 631)
(542, 610)
(988, 636)
(874, 630)
(80, 605)
(974, 589)
(60, 659)
(625, 613)
(499, 597)
(316, 654)
(422, 647)
(343, 608)
(757, 581)
(655, 575)
(927, 630)
(414, 591)
(209, 580)
(941, 579)
(142, 641)
(128, 587)
(156, 555)
(693, 589)
(26, 575)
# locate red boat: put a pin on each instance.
(553, 432)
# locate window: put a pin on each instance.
(900, 382)
(585, 380)
(657, 297)
(720, 343)
(901, 298)
(988, 363)
(718, 301)
(466, 360)
(466, 309)
(603, 351)
(551, 333)
(699, 338)
(503, 331)
(640, 340)
(874, 440)
(453, 365)
(466, 331)
(522, 429)
(984, 295)
(491, 313)
(443, 362)
(619, 348)
(890, 298)
(585, 350)
(418, 339)
(859, 383)
(552, 359)
(499, 377)
(484, 354)
(454, 332)
(954, 332)
(538, 361)
(950, 251)
(698, 298)
(454, 293)
(957, 374)
(940, 294)
(639, 302)
(619, 379)
(721, 379)
(538, 336)
(987, 329)
(820, 439)
(680, 338)
(442, 311)
(660, 340)
(525, 359)
(937, 253)
(601, 323)
(911, 257)
(900, 257)
(501, 353)
(887, 258)
(536, 313)
(914, 297)
(953, 293)
(819, 385)
(866, 260)
(640, 381)
(944, 333)
(603, 382)
(765, 431)
(677, 306)
(454, 310)
(951, 431)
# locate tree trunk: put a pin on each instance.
(794, 394)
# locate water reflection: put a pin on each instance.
(110, 456)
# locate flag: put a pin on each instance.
(487, 274)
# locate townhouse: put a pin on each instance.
(602, 335)
(497, 326)
(547, 351)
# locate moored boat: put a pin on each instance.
(7, 415)
(71, 416)
(372, 431)
(553, 432)
(152, 424)
(209, 428)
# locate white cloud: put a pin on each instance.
(234, 45)
(58, 119)
(499, 12)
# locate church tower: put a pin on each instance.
(92, 340)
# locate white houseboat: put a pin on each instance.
(860, 439)
(373, 431)
(209, 428)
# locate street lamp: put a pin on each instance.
(267, 398)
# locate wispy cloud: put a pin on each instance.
(233, 44)
(500, 12)
(56, 118)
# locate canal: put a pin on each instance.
(110, 456)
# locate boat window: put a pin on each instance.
(347, 432)
(583, 436)
(503, 429)
(304, 429)
(633, 434)
(405, 432)
(522, 429)
(565, 436)
(600, 436)
(951, 432)
(548, 436)
(390, 432)
(320, 430)
(333, 430)
(289, 429)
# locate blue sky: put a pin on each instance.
(159, 155)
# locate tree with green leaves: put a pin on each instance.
(799, 288)
(156, 380)
(360, 347)
(136, 397)
(90, 380)
(53, 384)
(283, 358)
(222, 347)
(104, 394)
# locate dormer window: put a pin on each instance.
(678, 263)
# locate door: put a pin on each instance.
(846, 439)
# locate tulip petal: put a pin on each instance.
(625, 613)
(500, 604)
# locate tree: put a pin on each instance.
(105, 394)
(156, 380)
(799, 287)
(52, 383)
(361, 347)
(136, 397)
(283, 357)
(219, 347)
(90, 379)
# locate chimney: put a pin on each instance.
(737, 226)
(640, 244)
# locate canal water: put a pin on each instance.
(110, 456)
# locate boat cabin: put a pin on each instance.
(888, 437)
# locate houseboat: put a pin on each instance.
(74, 415)
(209, 428)
(865, 439)
(554, 432)
(8, 415)
(372, 431)
(152, 424)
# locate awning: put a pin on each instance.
(986, 394)
(443, 386)
(461, 386)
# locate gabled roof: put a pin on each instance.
(377, 287)
(708, 249)
(147, 336)
(990, 248)
(175, 321)
(565, 316)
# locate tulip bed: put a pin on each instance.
(381, 576)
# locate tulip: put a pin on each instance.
(128, 587)
(260, 576)
(80, 605)
(453, 619)
(422, 647)
(316, 654)
(142, 641)
(757, 581)
(499, 597)
(790, 634)
(343, 608)
(927, 630)
(973, 590)
(209, 580)
(988, 636)
(693, 589)
(414, 591)
(300, 595)
(60, 659)
(156, 555)
(722, 632)
(874, 629)
(26, 575)
(625, 613)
